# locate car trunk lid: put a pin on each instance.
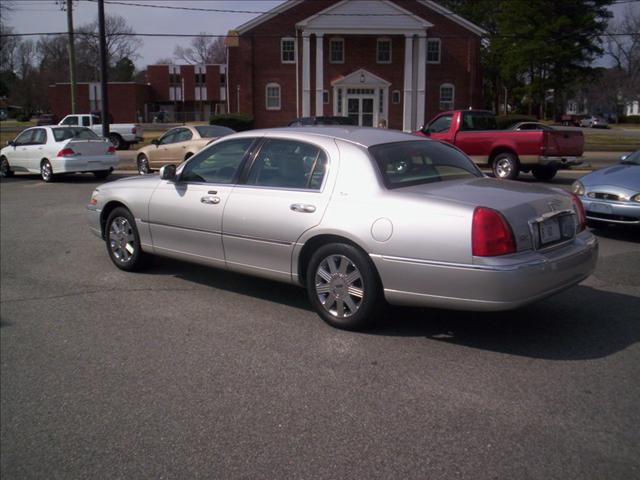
(88, 147)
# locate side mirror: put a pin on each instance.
(155, 142)
(168, 172)
(623, 157)
(11, 143)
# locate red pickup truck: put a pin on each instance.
(540, 150)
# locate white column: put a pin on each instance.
(422, 78)
(408, 76)
(306, 76)
(319, 76)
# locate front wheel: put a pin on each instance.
(343, 286)
(123, 240)
(544, 172)
(46, 172)
(506, 166)
(143, 164)
(5, 168)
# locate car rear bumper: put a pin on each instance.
(560, 161)
(86, 164)
(499, 283)
(611, 212)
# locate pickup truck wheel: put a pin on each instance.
(506, 166)
(116, 140)
(544, 172)
(5, 169)
(143, 164)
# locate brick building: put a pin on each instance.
(401, 61)
(172, 93)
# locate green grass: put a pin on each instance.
(610, 143)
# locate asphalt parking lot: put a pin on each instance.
(188, 372)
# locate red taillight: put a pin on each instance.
(111, 149)
(490, 234)
(65, 152)
(579, 208)
(133, 130)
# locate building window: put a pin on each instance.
(433, 50)
(336, 48)
(288, 50)
(383, 50)
(201, 79)
(325, 97)
(381, 101)
(273, 96)
(339, 101)
(395, 96)
(447, 96)
(223, 79)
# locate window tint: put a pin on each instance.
(24, 138)
(440, 124)
(288, 164)
(416, 162)
(217, 164)
(65, 133)
(478, 121)
(70, 121)
(39, 136)
(211, 131)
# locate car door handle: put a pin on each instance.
(210, 200)
(303, 208)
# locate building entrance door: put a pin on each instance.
(361, 111)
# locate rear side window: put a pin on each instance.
(219, 163)
(478, 121)
(403, 164)
(288, 164)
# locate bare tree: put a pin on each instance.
(164, 61)
(8, 49)
(202, 50)
(623, 45)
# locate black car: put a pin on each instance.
(307, 121)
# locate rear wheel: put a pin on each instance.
(506, 166)
(343, 286)
(123, 240)
(143, 164)
(5, 169)
(116, 141)
(544, 172)
(46, 172)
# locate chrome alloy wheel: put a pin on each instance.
(504, 167)
(339, 286)
(122, 240)
(45, 171)
(143, 165)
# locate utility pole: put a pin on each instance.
(103, 70)
(68, 5)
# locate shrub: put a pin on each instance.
(629, 119)
(23, 117)
(506, 121)
(236, 121)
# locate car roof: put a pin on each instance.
(363, 136)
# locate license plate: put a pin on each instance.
(549, 231)
(600, 207)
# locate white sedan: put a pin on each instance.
(54, 150)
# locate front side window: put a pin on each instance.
(404, 164)
(440, 124)
(336, 50)
(433, 50)
(447, 95)
(383, 51)
(288, 50)
(24, 138)
(273, 96)
(70, 121)
(169, 137)
(218, 164)
(288, 164)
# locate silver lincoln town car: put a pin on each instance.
(355, 215)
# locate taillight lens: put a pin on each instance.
(66, 152)
(491, 234)
(579, 208)
(111, 149)
(134, 130)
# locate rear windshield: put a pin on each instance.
(210, 131)
(403, 164)
(80, 133)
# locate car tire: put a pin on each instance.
(101, 174)
(143, 164)
(544, 172)
(116, 141)
(343, 286)
(123, 241)
(46, 172)
(5, 168)
(505, 166)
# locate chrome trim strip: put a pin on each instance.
(179, 228)
(258, 239)
(606, 220)
(464, 266)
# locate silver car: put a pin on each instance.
(355, 215)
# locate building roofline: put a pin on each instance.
(454, 17)
(283, 7)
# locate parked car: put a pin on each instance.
(55, 150)
(612, 194)
(507, 152)
(357, 215)
(309, 121)
(121, 135)
(47, 119)
(177, 145)
(594, 122)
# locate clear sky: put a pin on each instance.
(46, 16)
